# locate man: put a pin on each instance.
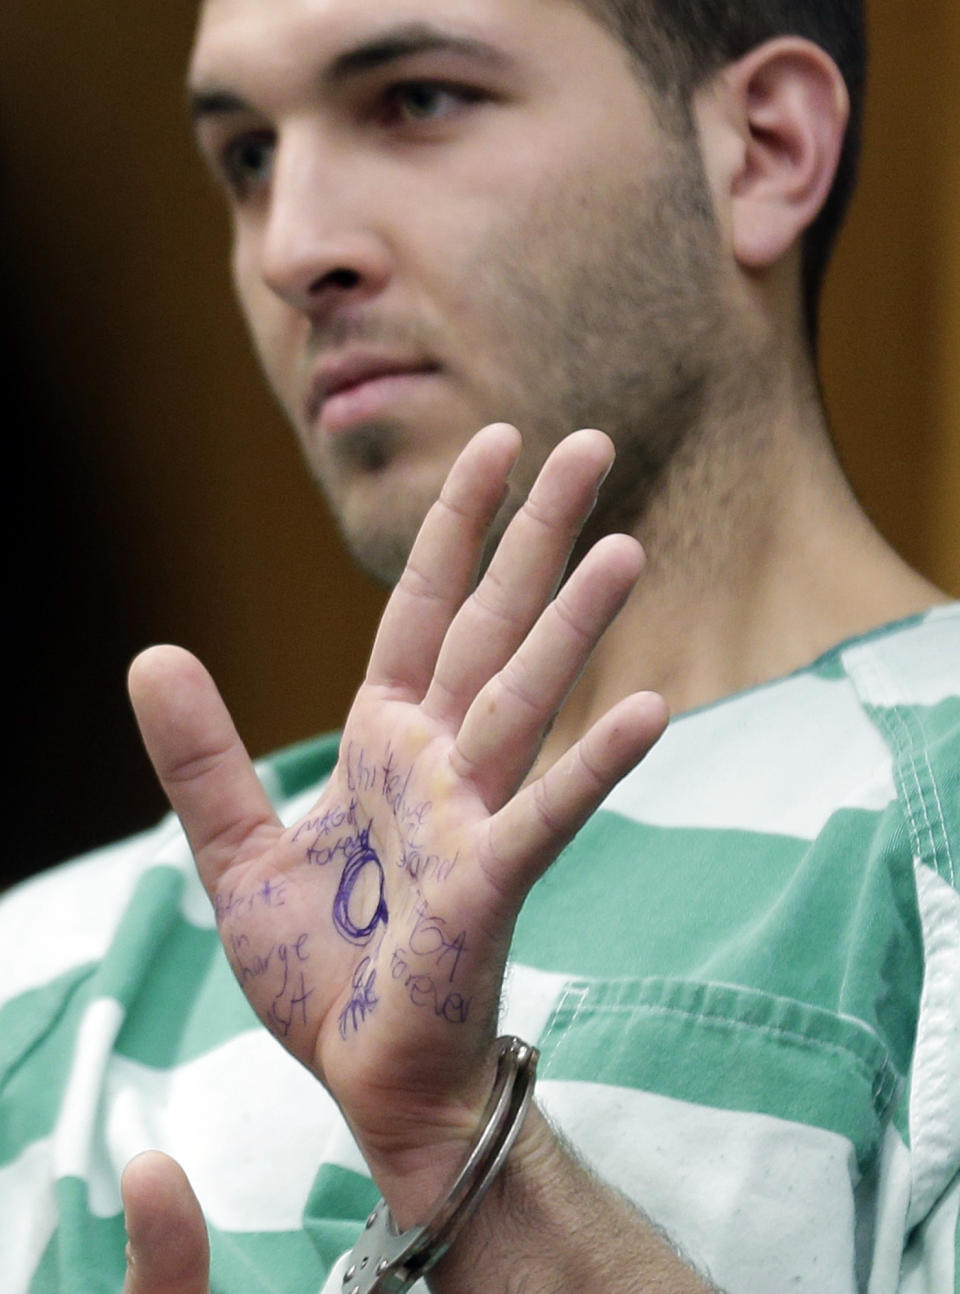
(743, 973)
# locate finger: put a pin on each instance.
(167, 1250)
(523, 574)
(200, 761)
(531, 829)
(443, 563)
(503, 729)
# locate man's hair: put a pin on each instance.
(680, 44)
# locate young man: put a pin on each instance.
(743, 974)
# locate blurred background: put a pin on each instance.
(155, 494)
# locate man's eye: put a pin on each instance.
(425, 101)
(246, 162)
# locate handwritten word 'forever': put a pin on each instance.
(424, 991)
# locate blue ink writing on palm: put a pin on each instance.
(351, 924)
(429, 939)
(362, 1000)
(424, 991)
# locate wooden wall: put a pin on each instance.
(155, 493)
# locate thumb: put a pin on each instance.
(168, 1251)
(200, 760)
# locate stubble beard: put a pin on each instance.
(608, 312)
(630, 337)
(380, 549)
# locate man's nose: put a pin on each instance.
(320, 244)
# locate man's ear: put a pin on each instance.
(788, 102)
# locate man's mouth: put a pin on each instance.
(358, 385)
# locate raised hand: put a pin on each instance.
(371, 937)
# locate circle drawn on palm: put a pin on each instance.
(351, 906)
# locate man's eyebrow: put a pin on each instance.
(404, 42)
(367, 55)
(215, 103)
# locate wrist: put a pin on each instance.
(392, 1254)
(415, 1160)
(514, 1214)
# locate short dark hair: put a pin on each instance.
(680, 44)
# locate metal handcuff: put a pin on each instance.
(385, 1261)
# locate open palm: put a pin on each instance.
(371, 937)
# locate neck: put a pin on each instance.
(759, 559)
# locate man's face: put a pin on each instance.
(451, 212)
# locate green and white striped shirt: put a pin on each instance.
(743, 975)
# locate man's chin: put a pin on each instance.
(379, 517)
(367, 449)
(380, 555)
(379, 481)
